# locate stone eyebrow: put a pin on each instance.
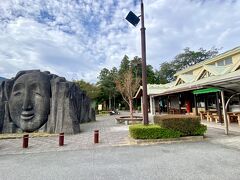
(18, 86)
(35, 85)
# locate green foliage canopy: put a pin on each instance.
(182, 61)
(92, 90)
(107, 82)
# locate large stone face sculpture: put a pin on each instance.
(40, 101)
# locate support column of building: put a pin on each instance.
(195, 103)
(206, 102)
(179, 103)
(224, 112)
(219, 112)
(141, 104)
(151, 105)
(154, 107)
(158, 105)
(168, 105)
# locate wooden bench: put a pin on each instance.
(203, 115)
(210, 117)
(213, 117)
(233, 116)
(216, 117)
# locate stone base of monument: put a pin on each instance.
(128, 120)
(31, 135)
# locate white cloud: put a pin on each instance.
(176, 24)
(77, 40)
(30, 45)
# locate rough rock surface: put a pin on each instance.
(40, 101)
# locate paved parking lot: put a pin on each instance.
(217, 157)
(180, 161)
(111, 134)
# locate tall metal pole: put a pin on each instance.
(144, 73)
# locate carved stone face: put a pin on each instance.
(29, 103)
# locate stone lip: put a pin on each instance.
(128, 119)
(166, 140)
(31, 135)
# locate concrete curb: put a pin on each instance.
(164, 141)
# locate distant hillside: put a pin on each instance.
(1, 79)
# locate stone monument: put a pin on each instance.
(41, 101)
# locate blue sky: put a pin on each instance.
(76, 39)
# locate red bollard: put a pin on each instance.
(96, 136)
(61, 139)
(25, 141)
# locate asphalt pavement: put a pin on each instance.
(217, 157)
(197, 160)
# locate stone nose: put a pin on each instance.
(27, 103)
(27, 108)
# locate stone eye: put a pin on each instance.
(18, 93)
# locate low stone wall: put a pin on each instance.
(128, 120)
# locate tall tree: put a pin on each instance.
(91, 90)
(107, 83)
(136, 65)
(182, 61)
(125, 65)
(151, 79)
(127, 85)
(165, 74)
(189, 58)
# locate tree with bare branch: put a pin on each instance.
(127, 86)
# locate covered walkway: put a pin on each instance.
(210, 89)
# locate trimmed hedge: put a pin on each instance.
(187, 125)
(140, 131)
(200, 130)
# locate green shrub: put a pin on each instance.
(187, 125)
(140, 131)
(200, 130)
